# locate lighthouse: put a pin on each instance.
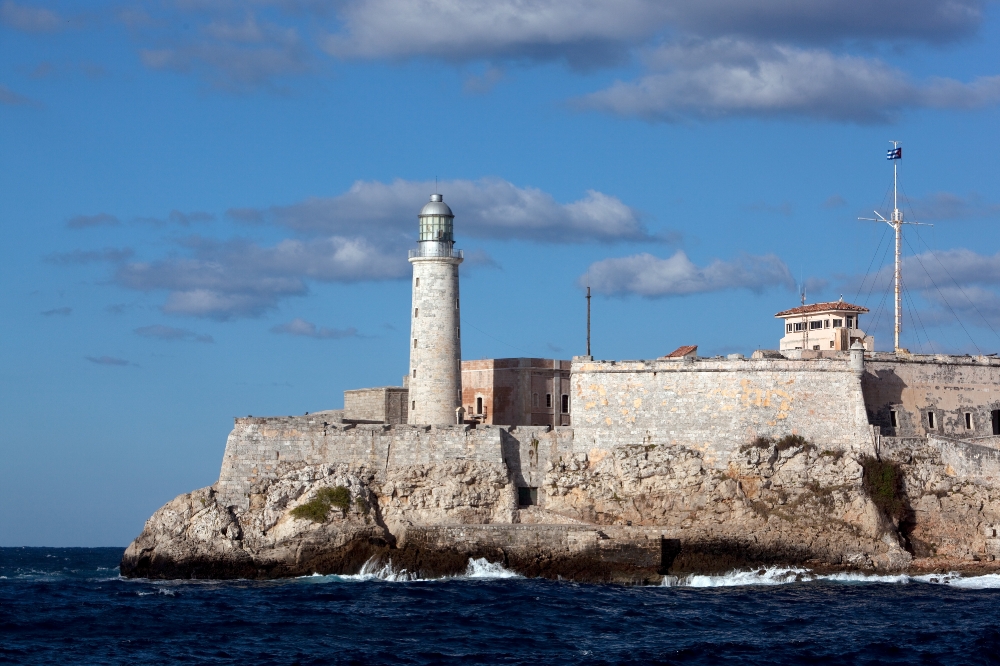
(435, 378)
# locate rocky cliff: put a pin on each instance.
(631, 513)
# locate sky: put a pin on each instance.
(205, 205)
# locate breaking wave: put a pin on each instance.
(788, 575)
(377, 569)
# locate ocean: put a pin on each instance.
(69, 606)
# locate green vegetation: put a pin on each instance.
(883, 483)
(793, 442)
(318, 507)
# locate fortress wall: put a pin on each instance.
(528, 450)
(716, 406)
(258, 446)
(950, 386)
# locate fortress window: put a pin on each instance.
(838, 323)
(416, 312)
(930, 420)
(413, 405)
(892, 419)
(479, 404)
(458, 332)
(548, 399)
(788, 328)
(527, 496)
(414, 373)
(565, 404)
(968, 420)
(996, 421)
(456, 303)
(417, 283)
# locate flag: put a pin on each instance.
(895, 153)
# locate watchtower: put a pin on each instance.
(435, 378)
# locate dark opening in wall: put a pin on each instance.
(527, 496)
(892, 419)
(548, 399)
(479, 405)
(930, 420)
(968, 420)
(996, 421)
(565, 403)
(669, 550)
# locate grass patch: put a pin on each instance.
(793, 442)
(759, 442)
(883, 483)
(318, 508)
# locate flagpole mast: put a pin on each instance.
(897, 225)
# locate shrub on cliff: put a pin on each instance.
(883, 483)
(793, 442)
(318, 507)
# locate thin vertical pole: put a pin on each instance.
(588, 321)
(897, 225)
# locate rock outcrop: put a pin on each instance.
(628, 514)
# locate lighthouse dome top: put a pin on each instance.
(436, 221)
(436, 206)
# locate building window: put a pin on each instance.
(479, 405)
(838, 323)
(813, 325)
(930, 420)
(815, 347)
(527, 496)
(548, 399)
(996, 421)
(414, 373)
(414, 405)
(458, 332)
(826, 324)
(800, 326)
(565, 403)
(417, 282)
(968, 420)
(416, 312)
(850, 322)
(456, 303)
(788, 328)
(892, 419)
(414, 343)
(831, 344)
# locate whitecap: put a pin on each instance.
(480, 567)
(763, 576)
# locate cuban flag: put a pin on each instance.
(895, 153)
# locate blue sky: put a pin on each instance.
(205, 205)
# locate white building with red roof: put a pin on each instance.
(831, 326)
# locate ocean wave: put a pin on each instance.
(375, 569)
(768, 576)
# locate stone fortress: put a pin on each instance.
(608, 470)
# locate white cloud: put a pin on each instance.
(647, 275)
(485, 208)
(301, 327)
(161, 332)
(240, 278)
(729, 77)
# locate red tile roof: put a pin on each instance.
(682, 351)
(831, 306)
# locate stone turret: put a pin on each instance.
(435, 377)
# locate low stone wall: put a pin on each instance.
(716, 406)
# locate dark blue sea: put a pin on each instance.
(69, 606)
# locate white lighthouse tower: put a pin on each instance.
(435, 379)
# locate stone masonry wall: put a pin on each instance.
(715, 406)
(949, 386)
(435, 379)
(257, 446)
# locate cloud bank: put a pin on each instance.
(654, 277)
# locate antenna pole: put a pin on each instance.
(588, 321)
(897, 225)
